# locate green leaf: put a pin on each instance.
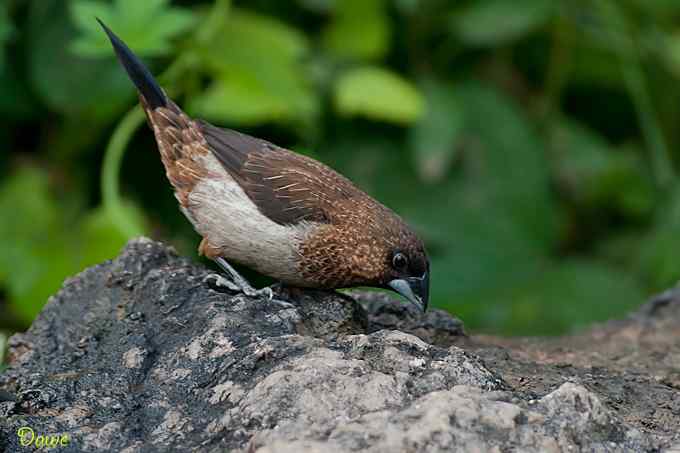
(85, 12)
(66, 83)
(240, 98)
(25, 194)
(433, 138)
(35, 261)
(378, 94)
(258, 73)
(497, 22)
(146, 26)
(255, 42)
(360, 29)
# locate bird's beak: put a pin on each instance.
(415, 289)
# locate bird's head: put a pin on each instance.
(370, 247)
(407, 270)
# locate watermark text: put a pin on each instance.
(29, 438)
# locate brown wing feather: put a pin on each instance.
(180, 142)
(286, 187)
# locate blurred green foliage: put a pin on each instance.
(532, 143)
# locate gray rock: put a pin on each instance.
(150, 353)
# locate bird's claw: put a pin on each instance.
(265, 292)
(221, 282)
(240, 284)
(268, 293)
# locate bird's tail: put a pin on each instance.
(147, 86)
(178, 137)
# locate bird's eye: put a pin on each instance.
(399, 261)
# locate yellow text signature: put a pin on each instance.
(28, 437)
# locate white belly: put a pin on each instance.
(222, 213)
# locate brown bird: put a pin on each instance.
(280, 213)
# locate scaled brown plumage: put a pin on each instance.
(281, 213)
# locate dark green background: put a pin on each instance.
(532, 143)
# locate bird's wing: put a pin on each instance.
(286, 187)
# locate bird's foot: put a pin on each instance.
(239, 284)
(265, 293)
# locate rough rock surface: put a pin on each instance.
(151, 353)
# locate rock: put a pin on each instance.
(150, 353)
(435, 327)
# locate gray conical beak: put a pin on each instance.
(415, 289)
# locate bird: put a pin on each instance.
(280, 213)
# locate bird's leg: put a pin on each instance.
(243, 285)
(246, 288)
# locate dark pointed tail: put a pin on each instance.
(139, 74)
